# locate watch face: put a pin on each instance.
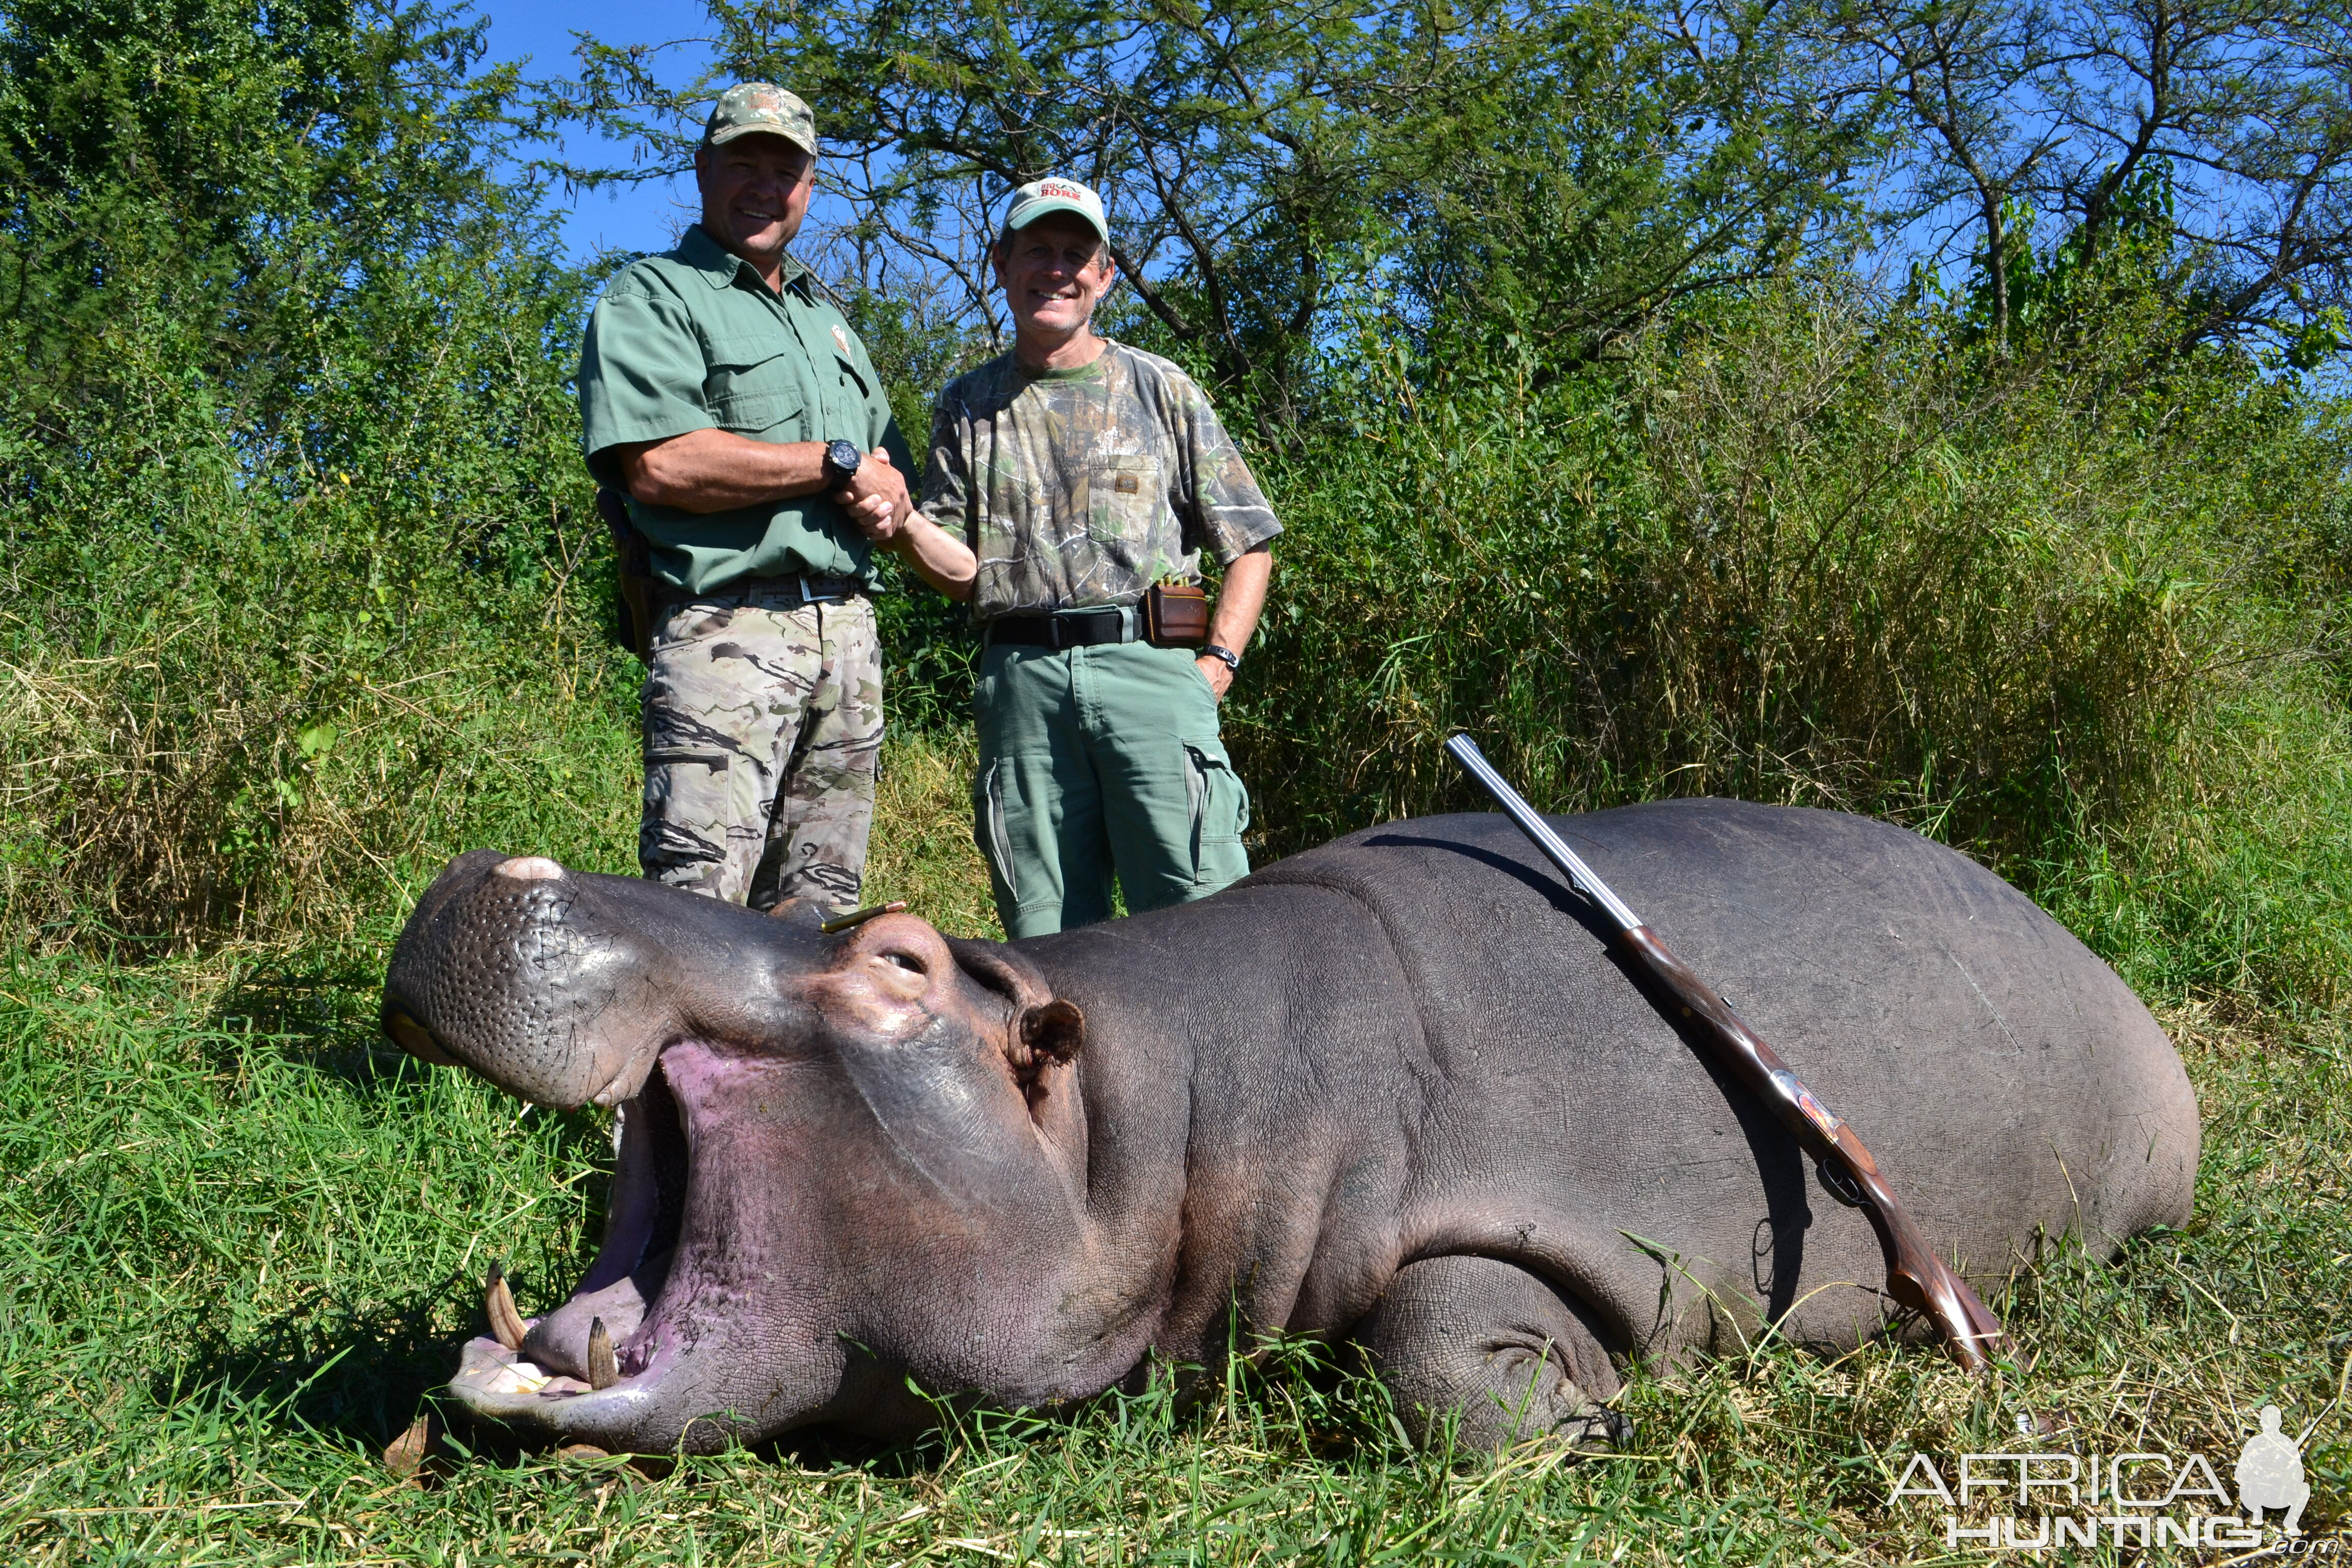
(843, 456)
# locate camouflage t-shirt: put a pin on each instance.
(1085, 487)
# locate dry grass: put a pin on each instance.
(194, 787)
(922, 848)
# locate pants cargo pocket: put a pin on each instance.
(1220, 806)
(988, 830)
(688, 809)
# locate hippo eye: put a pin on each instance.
(905, 961)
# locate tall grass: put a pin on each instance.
(267, 666)
(1802, 551)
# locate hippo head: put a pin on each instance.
(846, 1161)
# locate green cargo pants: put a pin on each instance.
(1095, 761)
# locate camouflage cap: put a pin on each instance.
(759, 108)
(1055, 194)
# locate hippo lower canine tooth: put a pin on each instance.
(505, 1324)
(604, 1366)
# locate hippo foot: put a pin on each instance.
(1495, 1351)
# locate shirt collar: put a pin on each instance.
(723, 269)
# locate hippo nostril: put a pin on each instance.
(528, 868)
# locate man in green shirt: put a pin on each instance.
(722, 391)
(1078, 472)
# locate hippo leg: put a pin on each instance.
(1496, 1344)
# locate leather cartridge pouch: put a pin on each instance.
(1176, 615)
(633, 622)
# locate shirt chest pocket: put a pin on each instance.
(1124, 502)
(853, 384)
(753, 387)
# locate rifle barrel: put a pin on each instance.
(1580, 876)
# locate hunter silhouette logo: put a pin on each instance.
(2270, 1473)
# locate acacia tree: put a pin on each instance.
(1570, 169)
(2228, 122)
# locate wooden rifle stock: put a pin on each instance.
(1916, 1276)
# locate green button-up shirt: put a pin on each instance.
(691, 340)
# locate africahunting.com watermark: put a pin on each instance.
(2146, 1501)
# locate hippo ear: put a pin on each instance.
(1040, 1028)
(1054, 1031)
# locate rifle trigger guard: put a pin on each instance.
(1839, 1186)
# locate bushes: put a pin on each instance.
(1799, 551)
(1802, 551)
(271, 665)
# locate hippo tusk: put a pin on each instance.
(604, 1366)
(505, 1324)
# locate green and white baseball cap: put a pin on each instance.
(760, 108)
(1055, 194)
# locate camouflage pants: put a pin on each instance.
(762, 721)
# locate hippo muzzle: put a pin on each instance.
(562, 988)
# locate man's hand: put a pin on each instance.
(945, 563)
(1240, 598)
(876, 498)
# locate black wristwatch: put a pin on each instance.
(841, 460)
(1225, 656)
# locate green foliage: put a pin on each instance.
(242, 170)
(269, 668)
(1577, 167)
(2234, 887)
(303, 567)
(1799, 550)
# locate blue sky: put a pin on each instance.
(642, 218)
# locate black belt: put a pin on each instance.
(1066, 628)
(795, 588)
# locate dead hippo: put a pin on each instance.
(1393, 1090)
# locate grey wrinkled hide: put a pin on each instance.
(1395, 1089)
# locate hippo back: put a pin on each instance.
(2011, 1084)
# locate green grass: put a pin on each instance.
(242, 1239)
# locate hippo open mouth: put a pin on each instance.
(777, 1088)
(605, 1344)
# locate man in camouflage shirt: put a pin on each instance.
(720, 389)
(1078, 472)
